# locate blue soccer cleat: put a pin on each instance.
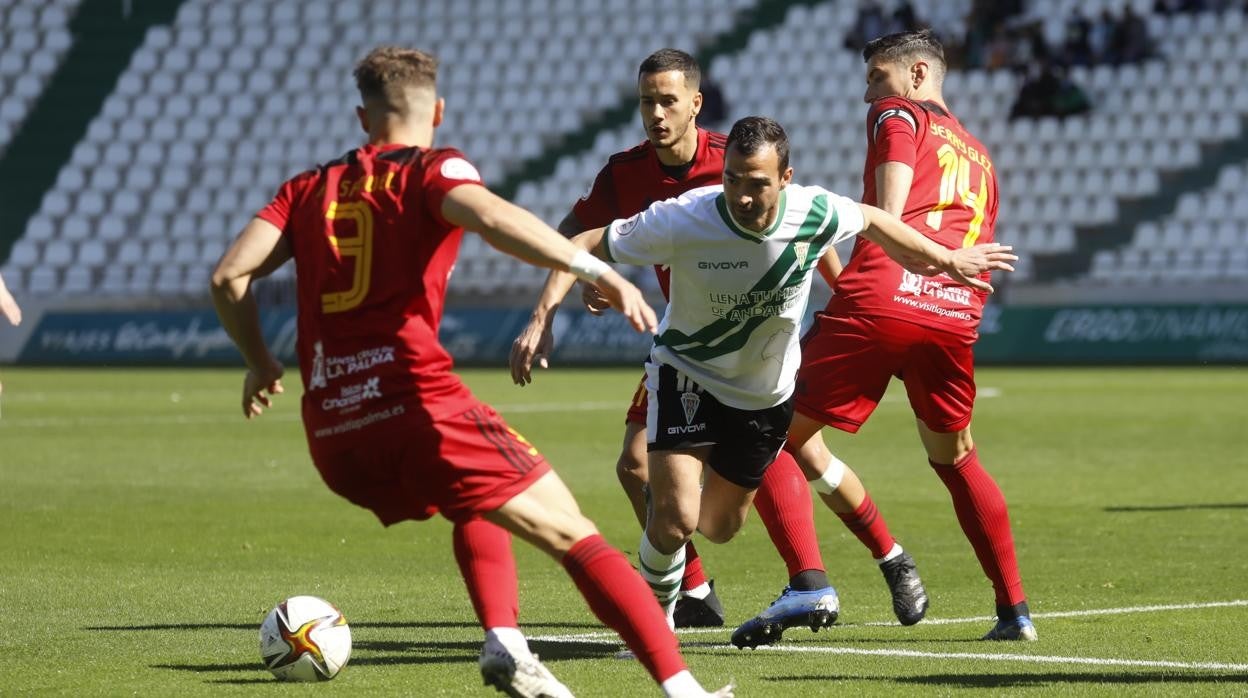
(814, 609)
(1014, 629)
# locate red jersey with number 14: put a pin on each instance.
(953, 200)
(634, 179)
(372, 255)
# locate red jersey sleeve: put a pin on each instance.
(446, 169)
(892, 131)
(598, 207)
(279, 209)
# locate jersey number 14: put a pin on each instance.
(955, 185)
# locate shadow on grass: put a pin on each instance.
(1176, 507)
(427, 625)
(1028, 680)
(389, 653)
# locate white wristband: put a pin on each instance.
(587, 267)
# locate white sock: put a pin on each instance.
(892, 553)
(701, 591)
(682, 684)
(663, 573)
(512, 639)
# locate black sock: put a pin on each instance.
(808, 580)
(1018, 610)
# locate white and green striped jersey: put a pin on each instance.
(737, 297)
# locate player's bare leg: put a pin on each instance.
(697, 606)
(985, 520)
(547, 516)
(843, 492)
(674, 506)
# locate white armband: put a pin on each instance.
(587, 267)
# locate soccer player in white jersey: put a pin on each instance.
(724, 360)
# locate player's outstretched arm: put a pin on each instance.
(905, 244)
(8, 306)
(255, 253)
(523, 235)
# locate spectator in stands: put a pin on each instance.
(1130, 39)
(1100, 39)
(869, 24)
(1076, 45)
(714, 106)
(1049, 92)
(8, 306)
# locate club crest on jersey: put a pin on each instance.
(801, 249)
(690, 402)
(459, 168)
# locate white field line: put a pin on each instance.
(227, 415)
(610, 638)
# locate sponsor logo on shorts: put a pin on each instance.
(352, 396)
(689, 429)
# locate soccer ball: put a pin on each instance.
(305, 638)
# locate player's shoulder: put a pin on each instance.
(699, 196)
(716, 140)
(637, 153)
(887, 108)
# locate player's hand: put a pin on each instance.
(968, 263)
(629, 300)
(534, 344)
(593, 299)
(9, 307)
(258, 386)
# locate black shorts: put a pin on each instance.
(682, 415)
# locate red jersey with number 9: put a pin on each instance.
(953, 200)
(372, 258)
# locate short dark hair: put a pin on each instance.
(667, 59)
(895, 47)
(387, 70)
(753, 133)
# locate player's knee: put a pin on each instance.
(831, 477)
(563, 532)
(720, 529)
(671, 527)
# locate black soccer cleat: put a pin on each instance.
(909, 596)
(813, 609)
(693, 612)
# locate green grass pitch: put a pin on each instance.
(145, 530)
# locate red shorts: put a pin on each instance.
(848, 361)
(640, 405)
(461, 466)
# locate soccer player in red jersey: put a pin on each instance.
(886, 320)
(374, 235)
(677, 157)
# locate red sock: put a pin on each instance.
(694, 576)
(623, 601)
(982, 512)
(784, 504)
(483, 552)
(870, 527)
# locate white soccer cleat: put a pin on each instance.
(518, 676)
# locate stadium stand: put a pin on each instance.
(35, 38)
(214, 110)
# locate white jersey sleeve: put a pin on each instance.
(645, 238)
(849, 218)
